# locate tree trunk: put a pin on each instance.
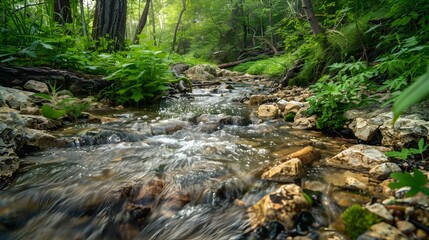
(152, 15)
(110, 22)
(82, 16)
(308, 8)
(62, 12)
(173, 45)
(142, 22)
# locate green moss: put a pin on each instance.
(358, 220)
(290, 116)
(273, 67)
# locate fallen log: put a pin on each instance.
(235, 63)
(79, 84)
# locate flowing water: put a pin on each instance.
(159, 173)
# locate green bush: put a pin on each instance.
(347, 89)
(358, 220)
(137, 75)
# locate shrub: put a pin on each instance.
(137, 75)
(334, 96)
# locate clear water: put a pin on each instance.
(180, 185)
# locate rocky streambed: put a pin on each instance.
(218, 163)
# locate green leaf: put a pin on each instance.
(403, 154)
(416, 182)
(413, 94)
(43, 95)
(49, 112)
(46, 46)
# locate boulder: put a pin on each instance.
(383, 171)
(15, 98)
(281, 205)
(382, 231)
(267, 111)
(363, 129)
(359, 157)
(179, 69)
(406, 129)
(286, 172)
(202, 72)
(36, 86)
(168, 126)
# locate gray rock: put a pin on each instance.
(362, 157)
(281, 104)
(379, 210)
(179, 69)
(36, 86)
(406, 129)
(14, 98)
(9, 162)
(383, 171)
(202, 72)
(363, 129)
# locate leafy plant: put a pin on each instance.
(138, 75)
(358, 220)
(334, 96)
(51, 113)
(416, 182)
(58, 107)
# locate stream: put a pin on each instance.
(187, 168)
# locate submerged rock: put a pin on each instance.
(286, 172)
(281, 205)
(307, 155)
